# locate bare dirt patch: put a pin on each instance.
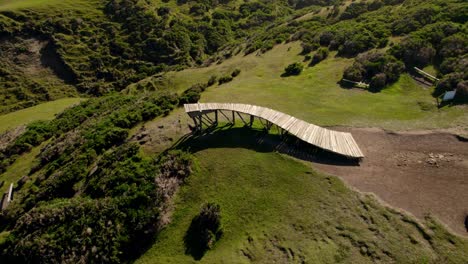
(420, 172)
(7, 137)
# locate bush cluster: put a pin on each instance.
(93, 187)
(320, 55)
(378, 68)
(293, 69)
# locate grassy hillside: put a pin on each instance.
(49, 5)
(315, 95)
(44, 111)
(108, 199)
(276, 209)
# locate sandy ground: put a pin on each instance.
(420, 172)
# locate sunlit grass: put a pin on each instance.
(42, 111)
(316, 96)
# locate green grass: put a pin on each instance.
(19, 168)
(43, 111)
(48, 5)
(315, 95)
(278, 210)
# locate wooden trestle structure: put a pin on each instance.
(334, 141)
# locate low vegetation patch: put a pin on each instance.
(293, 69)
(88, 184)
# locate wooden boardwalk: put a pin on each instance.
(334, 141)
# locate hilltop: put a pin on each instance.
(106, 169)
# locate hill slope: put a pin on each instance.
(118, 178)
(275, 209)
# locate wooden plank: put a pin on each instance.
(335, 141)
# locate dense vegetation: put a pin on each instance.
(90, 196)
(123, 41)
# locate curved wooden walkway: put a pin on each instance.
(334, 141)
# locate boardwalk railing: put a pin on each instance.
(334, 141)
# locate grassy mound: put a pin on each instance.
(275, 209)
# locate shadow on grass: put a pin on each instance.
(260, 141)
(193, 245)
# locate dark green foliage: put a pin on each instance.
(192, 94)
(235, 73)
(225, 79)
(319, 56)
(374, 5)
(462, 93)
(213, 79)
(448, 83)
(198, 9)
(204, 231)
(378, 68)
(378, 82)
(309, 47)
(293, 69)
(443, 44)
(305, 3)
(100, 207)
(415, 52)
(354, 10)
(354, 73)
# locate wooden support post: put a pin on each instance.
(283, 133)
(245, 123)
(268, 125)
(251, 120)
(200, 123)
(233, 117)
(195, 123)
(225, 115)
(216, 117)
(208, 119)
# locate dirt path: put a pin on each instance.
(420, 172)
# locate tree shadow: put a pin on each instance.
(193, 245)
(195, 239)
(260, 140)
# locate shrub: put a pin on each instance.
(462, 92)
(354, 73)
(448, 83)
(213, 79)
(319, 56)
(204, 231)
(293, 69)
(189, 97)
(309, 47)
(354, 10)
(225, 79)
(378, 82)
(369, 65)
(414, 52)
(235, 73)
